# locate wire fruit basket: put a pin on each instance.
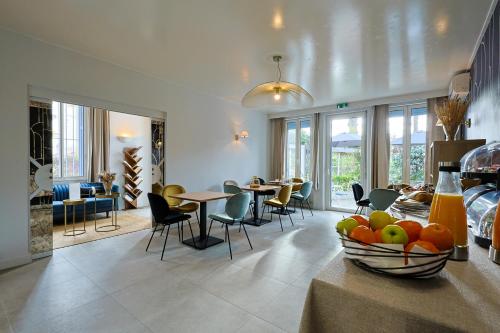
(392, 260)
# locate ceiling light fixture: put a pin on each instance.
(277, 95)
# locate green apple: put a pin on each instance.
(394, 234)
(346, 224)
(379, 219)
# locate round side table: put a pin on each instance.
(73, 203)
(114, 212)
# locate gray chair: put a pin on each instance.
(303, 196)
(381, 198)
(234, 189)
(231, 182)
(235, 211)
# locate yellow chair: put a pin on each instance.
(280, 202)
(297, 184)
(157, 188)
(176, 204)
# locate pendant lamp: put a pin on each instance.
(277, 95)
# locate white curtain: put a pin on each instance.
(381, 147)
(315, 152)
(98, 143)
(277, 148)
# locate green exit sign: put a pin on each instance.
(342, 105)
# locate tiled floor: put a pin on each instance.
(112, 285)
(128, 220)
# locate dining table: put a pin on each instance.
(255, 220)
(463, 297)
(201, 242)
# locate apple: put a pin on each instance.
(379, 219)
(346, 225)
(394, 234)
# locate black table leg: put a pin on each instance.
(255, 220)
(201, 242)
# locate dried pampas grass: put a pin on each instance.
(451, 114)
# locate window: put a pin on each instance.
(298, 149)
(68, 143)
(408, 133)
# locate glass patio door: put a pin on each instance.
(346, 147)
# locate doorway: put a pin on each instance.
(62, 166)
(346, 153)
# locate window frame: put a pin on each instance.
(407, 114)
(83, 144)
(298, 157)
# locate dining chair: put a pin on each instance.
(176, 204)
(381, 198)
(280, 202)
(235, 211)
(303, 196)
(231, 182)
(157, 188)
(163, 215)
(233, 189)
(297, 184)
(265, 194)
(358, 193)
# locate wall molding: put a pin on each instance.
(60, 96)
(485, 26)
(356, 105)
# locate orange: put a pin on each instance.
(363, 234)
(412, 228)
(378, 236)
(423, 244)
(438, 234)
(361, 220)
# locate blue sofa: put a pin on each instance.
(61, 192)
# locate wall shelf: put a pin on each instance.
(132, 176)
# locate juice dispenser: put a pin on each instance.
(448, 207)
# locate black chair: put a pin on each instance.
(166, 217)
(358, 192)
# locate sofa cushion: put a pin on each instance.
(61, 192)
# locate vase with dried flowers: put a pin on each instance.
(107, 178)
(451, 114)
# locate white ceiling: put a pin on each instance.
(339, 50)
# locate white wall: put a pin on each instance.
(139, 128)
(200, 151)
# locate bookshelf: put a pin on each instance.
(132, 175)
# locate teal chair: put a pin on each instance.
(381, 198)
(231, 189)
(235, 211)
(234, 189)
(303, 196)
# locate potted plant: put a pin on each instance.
(107, 179)
(451, 115)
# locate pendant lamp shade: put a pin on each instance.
(277, 95)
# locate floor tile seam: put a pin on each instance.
(242, 309)
(130, 313)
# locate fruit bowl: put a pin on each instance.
(393, 260)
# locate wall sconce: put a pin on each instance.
(243, 135)
(125, 138)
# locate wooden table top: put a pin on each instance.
(281, 184)
(201, 196)
(261, 188)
